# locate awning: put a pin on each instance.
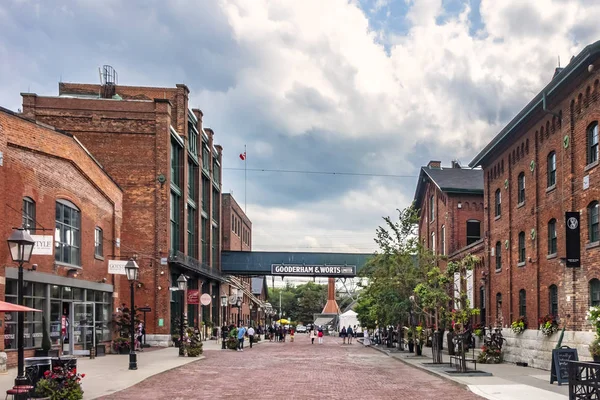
(323, 321)
(9, 307)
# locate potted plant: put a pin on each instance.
(519, 325)
(450, 339)
(548, 325)
(59, 384)
(595, 350)
(409, 339)
(194, 344)
(121, 345)
(420, 339)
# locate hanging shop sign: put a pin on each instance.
(193, 296)
(313, 270)
(205, 299)
(44, 245)
(573, 239)
(116, 267)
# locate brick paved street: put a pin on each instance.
(296, 370)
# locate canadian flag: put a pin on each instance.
(243, 156)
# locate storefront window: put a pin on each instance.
(33, 296)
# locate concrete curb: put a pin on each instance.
(422, 368)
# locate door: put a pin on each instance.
(82, 328)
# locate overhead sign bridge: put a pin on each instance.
(292, 263)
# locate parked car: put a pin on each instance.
(301, 329)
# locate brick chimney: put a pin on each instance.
(434, 165)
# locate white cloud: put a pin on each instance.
(272, 75)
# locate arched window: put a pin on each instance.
(67, 235)
(521, 188)
(592, 143)
(431, 208)
(593, 223)
(473, 231)
(521, 247)
(443, 239)
(522, 303)
(498, 199)
(552, 245)
(29, 214)
(498, 306)
(498, 256)
(98, 242)
(594, 292)
(551, 174)
(553, 299)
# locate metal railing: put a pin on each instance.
(193, 264)
(584, 380)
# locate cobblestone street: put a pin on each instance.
(296, 370)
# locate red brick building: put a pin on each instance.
(56, 189)
(450, 204)
(542, 164)
(237, 236)
(170, 171)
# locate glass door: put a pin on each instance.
(82, 328)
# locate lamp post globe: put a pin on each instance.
(182, 285)
(20, 244)
(132, 271)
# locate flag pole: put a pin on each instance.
(245, 171)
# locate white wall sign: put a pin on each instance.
(44, 245)
(457, 290)
(586, 182)
(470, 291)
(116, 267)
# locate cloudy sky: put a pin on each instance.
(371, 87)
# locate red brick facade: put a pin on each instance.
(163, 158)
(46, 166)
(573, 106)
(237, 227)
(443, 218)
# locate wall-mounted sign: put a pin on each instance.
(313, 270)
(193, 296)
(205, 299)
(44, 245)
(116, 267)
(573, 239)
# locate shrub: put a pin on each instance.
(548, 325)
(61, 383)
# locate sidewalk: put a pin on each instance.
(110, 373)
(508, 381)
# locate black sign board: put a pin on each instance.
(144, 309)
(572, 227)
(560, 364)
(313, 270)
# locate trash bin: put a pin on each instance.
(35, 367)
(69, 362)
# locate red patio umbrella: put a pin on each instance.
(9, 307)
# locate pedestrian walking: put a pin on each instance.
(367, 340)
(343, 334)
(291, 335)
(240, 337)
(224, 334)
(320, 335)
(313, 335)
(251, 335)
(139, 336)
(350, 334)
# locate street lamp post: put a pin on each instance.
(20, 245)
(250, 306)
(240, 296)
(224, 307)
(132, 270)
(181, 285)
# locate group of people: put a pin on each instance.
(242, 334)
(348, 333)
(279, 333)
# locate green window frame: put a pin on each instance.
(592, 143)
(67, 234)
(593, 222)
(552, 240)
(551, 162)
(521, 247)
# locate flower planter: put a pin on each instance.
(411, 347)
(419, 349)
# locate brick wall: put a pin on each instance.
(47, 165)
(232, 212)
(526, 152)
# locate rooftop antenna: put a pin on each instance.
(108, 79)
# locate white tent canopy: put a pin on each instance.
(348, 319)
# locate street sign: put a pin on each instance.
(144, 309)
(205, 299)
(313, 270)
